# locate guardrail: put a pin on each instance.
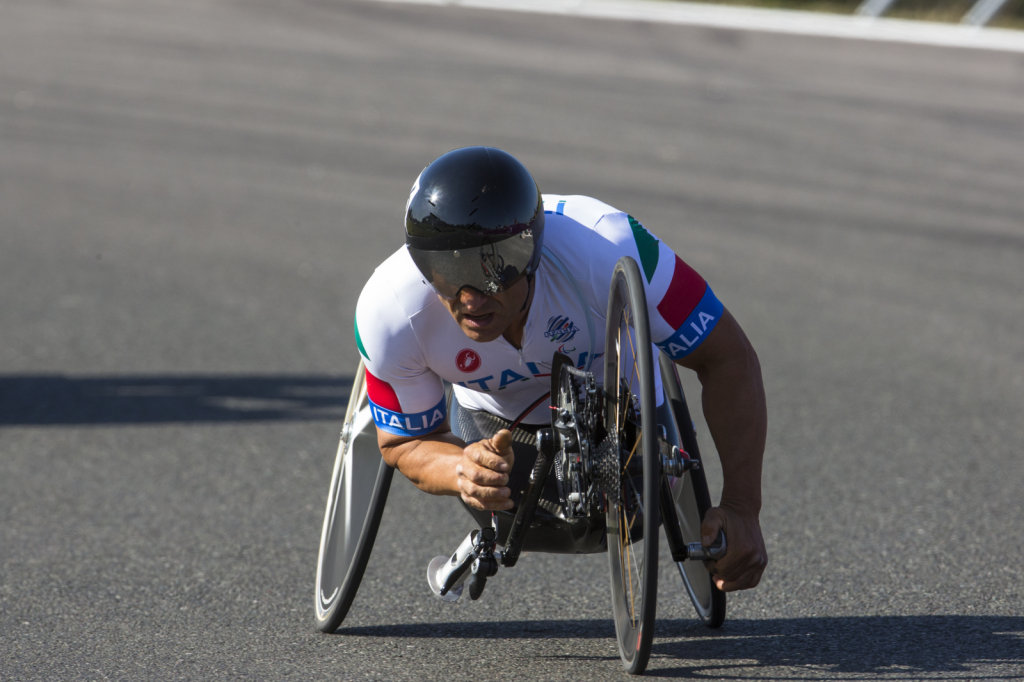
(981, 11)
(774, 20)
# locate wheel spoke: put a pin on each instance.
(627, 565)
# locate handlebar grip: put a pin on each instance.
(699, 552)
(445, 575)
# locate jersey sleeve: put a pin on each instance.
(681, 305)
(406, 398)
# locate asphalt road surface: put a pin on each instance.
(193, 191)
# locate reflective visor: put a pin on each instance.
(490, 268)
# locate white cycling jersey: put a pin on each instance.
(412, 346)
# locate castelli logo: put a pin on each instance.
(467, 360)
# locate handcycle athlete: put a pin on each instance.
(502, 295)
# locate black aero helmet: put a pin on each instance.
(475, 218)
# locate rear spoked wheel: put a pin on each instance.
(355, 504)
(632, 513)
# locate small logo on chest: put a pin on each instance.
(560, 329)
(467, 360)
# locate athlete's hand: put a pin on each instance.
(483, 473)
(745, 557)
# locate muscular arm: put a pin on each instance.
(735, 411)
(441, 464)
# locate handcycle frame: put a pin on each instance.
(668, 473)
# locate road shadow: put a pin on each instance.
(877, 646)
(874, 646)
(55, 399)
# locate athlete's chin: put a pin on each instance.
(481, 335)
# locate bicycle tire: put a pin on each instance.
(630, 420)
(687, 499)
(355, 503)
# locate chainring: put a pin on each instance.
(575, 422)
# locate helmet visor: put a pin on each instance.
(489, 268)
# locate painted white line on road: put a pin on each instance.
(793, 22)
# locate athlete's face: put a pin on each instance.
(485, 317)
